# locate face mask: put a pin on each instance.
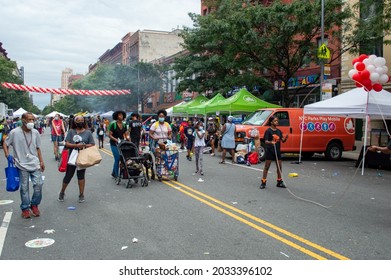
(161, 119)
(30, 126)
(201, 128)
(56, 118)
(80, 125)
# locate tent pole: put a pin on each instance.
(301, 137)
(365, 144)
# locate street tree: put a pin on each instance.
(142, 79)
(275, 41)
(13, 98)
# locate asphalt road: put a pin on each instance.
(330, 211)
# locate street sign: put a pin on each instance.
(323, 52)
(327, 70)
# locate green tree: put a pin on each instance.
(142, 78)
(246, 37)
(239, 42)
(13, 98)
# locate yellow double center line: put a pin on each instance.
(250, 220)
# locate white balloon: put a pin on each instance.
(372, 57)
(374, 77)
(383, 79)
(379, 70)
(352, 72)
(385, 69)
(367, 62)
(380, 61)
(371, 68)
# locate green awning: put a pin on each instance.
(201, 109)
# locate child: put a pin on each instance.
(273, 137)
(199, 144)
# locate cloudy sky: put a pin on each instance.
(47, 36)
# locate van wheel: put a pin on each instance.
(307, 155)
(333, 151)
(262, 152)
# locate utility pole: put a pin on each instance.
(321, 43)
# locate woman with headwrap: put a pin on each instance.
(228, 139)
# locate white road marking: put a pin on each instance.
(4, 228)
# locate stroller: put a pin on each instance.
(131, 165)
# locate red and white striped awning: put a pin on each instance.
(67, 91)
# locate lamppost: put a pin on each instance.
(321, 43)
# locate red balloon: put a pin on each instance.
(367, 84)
(357, 77)
(365, 74)
(355, 60)
(359, 85)
(368, 88)
(377, 87)
(360, 66)
(362, 57)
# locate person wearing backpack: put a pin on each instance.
(117, 133)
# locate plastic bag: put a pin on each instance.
(64, 160)
(73, 157)
(12, 174)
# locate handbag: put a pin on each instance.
(12, 174)
(73, 157)
(88, 157)
(64, 160)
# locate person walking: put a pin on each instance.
(117, 133)
(78, 137)
(211, 134)
(26, 144)
(58, 132)
(199, 144)
(273, 138)
(135, 129)
(101, 132)
(228, 139)
(189, 134)
(160, 131)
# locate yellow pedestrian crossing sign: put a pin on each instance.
(323, 52)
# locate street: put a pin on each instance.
(330, 211)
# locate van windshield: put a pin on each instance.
(257, 118)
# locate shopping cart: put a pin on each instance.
(167, 164)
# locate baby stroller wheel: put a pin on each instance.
(117, 180)
(128, 184)
(176, 177)
(159, 178)
(144, 183)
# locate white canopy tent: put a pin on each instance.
(52, 114)
(107, 115)
(356, 103)
(18, 113)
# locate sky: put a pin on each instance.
(47, 36)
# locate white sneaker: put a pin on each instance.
(212, 154)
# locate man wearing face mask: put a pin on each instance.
(26, 144)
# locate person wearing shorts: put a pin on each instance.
(273, 138)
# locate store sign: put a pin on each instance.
(296, 82)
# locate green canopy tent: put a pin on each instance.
(183, 108)
(201, 109)
(241, 102)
